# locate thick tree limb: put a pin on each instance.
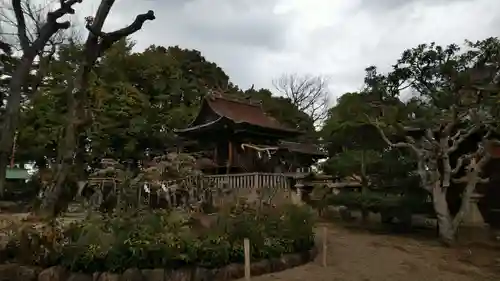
(424, 177)
(65, 8)
(460, 137)
(390, 143)
(427, 178)
(10, 119)
(477, 161)
(484, 180)
(447, 170)
(21, 25)
(454, 119)
(108, 39)
(460, 162)
(463, 179)
(51, 27)
(458, 134)
(429, 135)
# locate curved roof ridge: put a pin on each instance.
(249, 102)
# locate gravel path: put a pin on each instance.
(357, 256)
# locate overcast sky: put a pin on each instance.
(255, 41)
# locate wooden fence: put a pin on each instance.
(268, 187)
(273, 188)
(251, 180)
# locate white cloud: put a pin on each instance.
(255, 41)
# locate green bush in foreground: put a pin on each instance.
(165, 239)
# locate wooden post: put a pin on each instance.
(12, 156)
(229, 156)
(139, 197)
(246, 246)
(216, 157)
(325, 240)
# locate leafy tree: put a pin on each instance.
(354, 145)
(132, 104)
(142, 97)
(170, 84)
(30, 49)
(454, 100)
(357, 152)
(135, 100)
(42, 117)
(77, 89)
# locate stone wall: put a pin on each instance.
(15, 272)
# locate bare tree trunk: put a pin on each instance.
(364, 186)
(67, 148)
(11, 116)
(20, 76)
(4, 161)
(49, 203)
(464, 204)
(97, 43)
(444, 219)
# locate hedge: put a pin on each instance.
(162, 239)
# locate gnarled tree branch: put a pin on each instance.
(460, 137)
(51, 27)
(429, 136)
(107, 39)
(460, 162)
(309, 94)
(390, 143)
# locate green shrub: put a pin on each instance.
(163, 239)
(374, 202)
(379, 202)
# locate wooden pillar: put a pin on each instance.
(229, 156)
(215, 155)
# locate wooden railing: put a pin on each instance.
(267, 187)
(251, 180)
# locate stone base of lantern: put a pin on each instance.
(474, 218)
(297, 196)
(473, 227)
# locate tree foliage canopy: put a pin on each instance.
(444, 132)
(135, 100)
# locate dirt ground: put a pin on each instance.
(363, 256)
